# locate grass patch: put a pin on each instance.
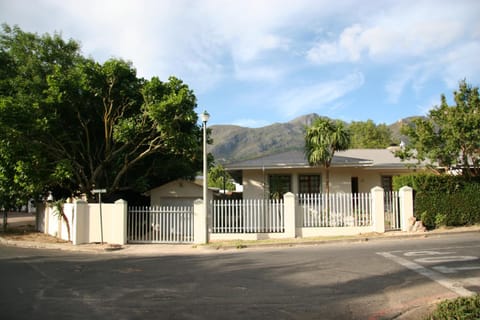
(463, 308)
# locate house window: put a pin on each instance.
(279, 185)
(387, 183)
(309, 183)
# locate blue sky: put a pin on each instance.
(254, 63)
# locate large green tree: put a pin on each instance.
(322, 139)
(367, 134)
(70, 124)
(449, 136)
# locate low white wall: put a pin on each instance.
(233, 236)
(332, 231)
(86, 227)
(109, 226)
(84, 222)
(49, 221)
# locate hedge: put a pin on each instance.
(462, 308)
(443, 200)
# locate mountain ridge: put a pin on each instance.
(235, 143)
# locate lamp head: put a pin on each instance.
(205, 116)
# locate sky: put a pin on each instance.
(257, 62)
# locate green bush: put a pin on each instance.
(463, 308)
(430, 182)
(443, 200)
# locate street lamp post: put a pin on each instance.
(205, 116)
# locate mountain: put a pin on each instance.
(234, 143)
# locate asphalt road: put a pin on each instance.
(366, 280)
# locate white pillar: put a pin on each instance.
(47, 218)
(378, 210)
(406, 206)
(120, 222)
(80, 225)
(200, 226)
(289, 202)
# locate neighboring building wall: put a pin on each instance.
(177, 193)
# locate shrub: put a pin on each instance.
(463, 308)
(443, 200)
(430, 182)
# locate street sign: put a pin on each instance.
(100, 191)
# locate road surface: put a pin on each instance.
(363, 280)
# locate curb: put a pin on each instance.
(209, 248)
(430, 234)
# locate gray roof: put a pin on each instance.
(370, 158)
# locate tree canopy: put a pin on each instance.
(449, 136)
(322, 139)
(71, 124)
(367, 134)
(219, 178)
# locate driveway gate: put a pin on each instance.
(160, 224)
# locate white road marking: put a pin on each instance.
(425, 253)
(444, 269)
(435, 276)
(446, 259)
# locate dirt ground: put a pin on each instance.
(21, 227)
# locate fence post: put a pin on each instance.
(80, 225)
(120, 222)
(378, 210)
(40, 209)
(406, 206)
(200, 227)
(289, 201)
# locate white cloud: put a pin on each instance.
(461, 62)
(405, 30)
(314, 97)
(210, 43)
(415, 75)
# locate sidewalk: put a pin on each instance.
(17, 220)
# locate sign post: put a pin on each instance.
(99, 192)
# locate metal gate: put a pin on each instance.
(160, 224)
(392, 211)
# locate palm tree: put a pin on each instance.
(322, 139)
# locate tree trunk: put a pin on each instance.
(5, 220)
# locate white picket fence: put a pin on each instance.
(160, 224)
(392, 211)
(336, 209)
(247, 216)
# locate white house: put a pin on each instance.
(351, 171)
